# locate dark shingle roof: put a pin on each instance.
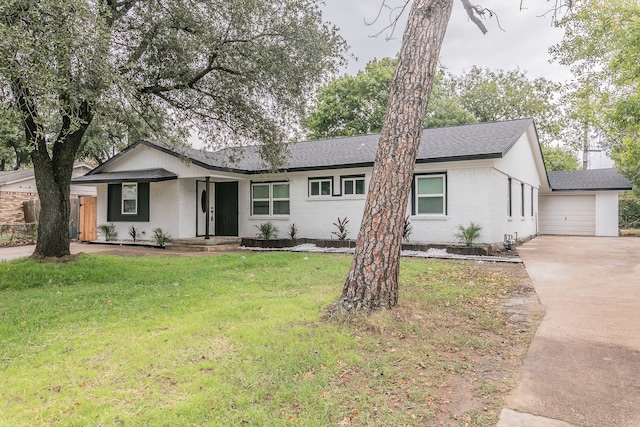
(588, 180)
(476, 141)
(143, 175)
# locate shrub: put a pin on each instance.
(468, 234)
(108, 231)
(629, 211)
(18, 234)
(133, 232)
(293, 231)
(341, 225)
(267, 231)
(160, 237)
(407, 229)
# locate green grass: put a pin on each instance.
(236, 339)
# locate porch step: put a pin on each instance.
(199, 244)
(203, 248)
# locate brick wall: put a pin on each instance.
(11, 210)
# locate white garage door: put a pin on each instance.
(572, 215)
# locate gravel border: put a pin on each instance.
(431, 253)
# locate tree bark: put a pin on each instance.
(373, 279)
(53, 168)
(53, 179)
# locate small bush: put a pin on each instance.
(407, 229)
(469, 234)
(341, 225)
(108, 231)
(293, 231)
(18, 234)
(267, 231)
(629, 211)
(160, 237)
(133, 232)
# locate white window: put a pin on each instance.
(430, 194)
(320, 187)
(129, 198)
(522, 199)
(270, 198)
(352, 185)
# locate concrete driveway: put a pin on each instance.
(583, 367)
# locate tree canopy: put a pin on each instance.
(355, 105)
(602, 46)
(507, 95)
(233, 70)
(559, 159)
(14, 152)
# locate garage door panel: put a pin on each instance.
(571, 215)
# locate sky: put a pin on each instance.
(518, 38)
(523, 44)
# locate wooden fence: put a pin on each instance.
(32, 213)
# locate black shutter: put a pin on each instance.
(114, 200)
(143, 202)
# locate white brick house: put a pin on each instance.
(491, 174)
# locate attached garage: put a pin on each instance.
(581, 203)
(572, 215)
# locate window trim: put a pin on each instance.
(123, 199)
(271, 198)
(415, 196)
(320, 180)
(354, 178)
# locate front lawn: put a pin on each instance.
(241, 339)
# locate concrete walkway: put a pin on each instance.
(7, 254)
(583, 367)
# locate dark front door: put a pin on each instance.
(226, 203)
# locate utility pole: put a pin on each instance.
(585, 147)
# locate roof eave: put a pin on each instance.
(592, 189)
(120, 180)
(370, 164)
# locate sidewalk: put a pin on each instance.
(10, 253)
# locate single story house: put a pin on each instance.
(19, 186)
(491, 174)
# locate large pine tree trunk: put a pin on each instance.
(373, 279)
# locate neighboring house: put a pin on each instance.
(491, 174)
(19, 186)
